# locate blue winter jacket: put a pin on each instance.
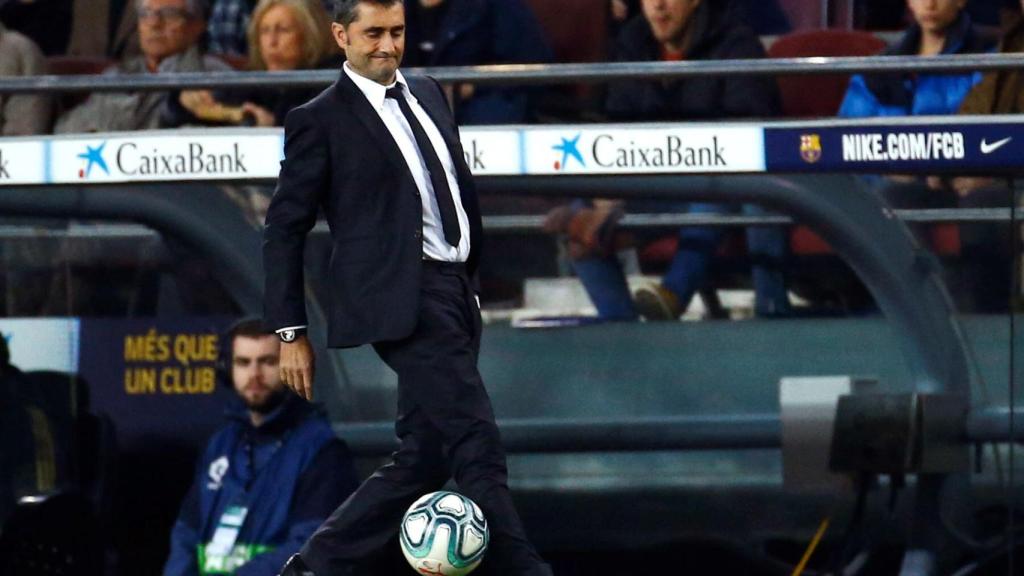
(287, 475)
(904, 94)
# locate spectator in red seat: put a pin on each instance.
(169, 33)
(283, 35)
(474, 32)
(22, 114)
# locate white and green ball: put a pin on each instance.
(444, 533)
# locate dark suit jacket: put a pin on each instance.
(339, 156)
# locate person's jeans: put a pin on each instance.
(603, 279)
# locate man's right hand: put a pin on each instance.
(298, 364)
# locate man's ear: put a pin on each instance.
(340, 35)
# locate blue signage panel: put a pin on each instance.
(155, 378)
(908, 147)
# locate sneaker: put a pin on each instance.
(657, 304)
(296, 567)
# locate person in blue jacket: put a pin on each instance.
(476, 32)
(267, 479)
(940, 27)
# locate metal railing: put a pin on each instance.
(538, 74)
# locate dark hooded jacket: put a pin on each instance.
(718, 34)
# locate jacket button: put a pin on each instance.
(417, 235)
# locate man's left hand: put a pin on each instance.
(298, 366)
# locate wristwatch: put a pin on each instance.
(291, 334)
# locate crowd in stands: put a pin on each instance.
(166, 36)
(160, 36)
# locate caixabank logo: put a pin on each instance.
(570, 149)
(620, 150)
(93, 157)
(157, 158)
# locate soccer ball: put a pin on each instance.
(444, 533)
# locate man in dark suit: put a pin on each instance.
(380, 153)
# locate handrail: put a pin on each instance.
(548, 74)
(533, 222)
(705, 432)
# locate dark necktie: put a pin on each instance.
(449, 217)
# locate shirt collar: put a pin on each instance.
(373, 91)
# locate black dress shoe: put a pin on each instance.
(296, 567)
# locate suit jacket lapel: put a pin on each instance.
(371, 121)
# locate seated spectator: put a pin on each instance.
(283, 35)
(22, 114)
(678, 30)
(1001, 91)
(940, 27)
(276, 464)
(169, 33)
(986, 248)
(475, 32)
(230, 22)
(46, 22)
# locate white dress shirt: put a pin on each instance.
(435, 247)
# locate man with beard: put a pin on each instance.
(267, 479)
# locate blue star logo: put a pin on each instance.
(94, 155)
(569, 149)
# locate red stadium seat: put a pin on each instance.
(819, 95)
(577, 31)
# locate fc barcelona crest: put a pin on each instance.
(810, 148)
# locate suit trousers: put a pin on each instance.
(445, 426)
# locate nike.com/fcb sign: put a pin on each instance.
(946, 147)
(875, 146)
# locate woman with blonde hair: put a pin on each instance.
(289, 35)
(283, 35)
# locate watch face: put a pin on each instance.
(288, 335)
